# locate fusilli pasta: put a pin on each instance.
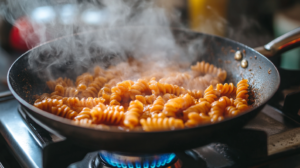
(112, 115)
(133, 114)
(159, 124)
(134, 95)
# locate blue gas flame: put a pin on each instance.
(145, 161)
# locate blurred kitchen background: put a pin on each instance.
(253, 23)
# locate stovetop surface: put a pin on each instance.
(268, 137)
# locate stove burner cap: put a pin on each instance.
(137, 161)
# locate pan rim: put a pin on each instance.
(114, 129)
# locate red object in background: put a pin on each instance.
(22, 35)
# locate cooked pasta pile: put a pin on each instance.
(154, 102)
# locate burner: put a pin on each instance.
(139, 161)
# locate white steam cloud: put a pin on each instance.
(109, 31)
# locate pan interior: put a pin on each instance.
(261, 73)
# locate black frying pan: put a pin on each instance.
(261, 73)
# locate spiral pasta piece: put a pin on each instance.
(47, 104)
(174, 106)
(218, 108)
(65, 82)
(112, 115)
(210, 94)
(135, 110)
(72, 101)
(160, 124)
(83, 81)
(202, 107)
(163, 88)
(158, 105)
(146, 113)
(226, 89)
(150, 99)
(206, 68)
(63, 111)
(231, 111)
(118, 91)
(138, 88)
(94, 87)
(242, 89)
(105, 93)
(91, 102)
(179, 80)
(65, 91)
(84, 114)
(241, 104)
(70, 91)
(141, 98)
(88, 102)
(97, 113)
(56, 97)
(195, 119)
(197, 94)
(146, 99)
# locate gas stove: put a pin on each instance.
(273, 135)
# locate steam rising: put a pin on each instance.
(135, 28)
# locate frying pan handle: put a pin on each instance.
(281, 44)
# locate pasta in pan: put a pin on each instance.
(153, 101)
(112, 115)
(133, 114)
(156, 124)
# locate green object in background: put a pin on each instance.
(283, 23)
(291, 59)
